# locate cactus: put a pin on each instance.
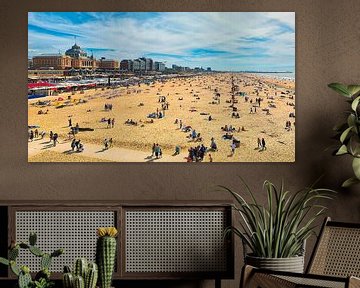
(14, 268)
(79, 282)
(88, 273)
(91, 276)
(105, 255)
(4, 261)
(67, 269)
(44, 273)
(13, 253)
(57, 252)
(32, 239)
(24, 245)
(24, 280)
(80, 267)
(45, 261)
(42, 278)
(68, 280)
(36, 251)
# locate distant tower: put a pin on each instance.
(75, 39)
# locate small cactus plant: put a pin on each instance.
(106, 254)
(85, 275)
(42, 278)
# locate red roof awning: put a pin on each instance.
(40, 85)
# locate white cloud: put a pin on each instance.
(172, 33)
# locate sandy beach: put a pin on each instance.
(191, 100)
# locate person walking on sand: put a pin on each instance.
(106, 144)
(210, 158)
(51, 136)
(31, 135)
(177, 150)
(109, 123)
(55, 138)
(70, 122)
(233, 146)
(263, 144)
(110, 142)
(113, 123)
(259, 144)
(42, 134)
(153, 150)
(36, 134)
(157, 151)
(73, 144)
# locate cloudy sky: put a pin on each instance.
(236, 41)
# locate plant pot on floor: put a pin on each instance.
(291, 264)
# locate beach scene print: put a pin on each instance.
(189, 87)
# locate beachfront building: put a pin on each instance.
(30, 63)
(74, 57)
(148, 63)
(52, 61)
(159, 66)
(80, 59)
(126, 65)
(108, 64)
(139, 65)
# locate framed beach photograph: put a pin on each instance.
(161, 87)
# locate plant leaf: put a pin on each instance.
(353, 89)
(340, 88)
(349, 182)
(345, 134)
(342, 150)
(356, 167)
(355, 103)
(351, 120)
(4, 261)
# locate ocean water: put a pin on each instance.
(290, 76)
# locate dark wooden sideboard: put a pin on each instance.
(157, 240)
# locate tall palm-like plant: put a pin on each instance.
(280, 229)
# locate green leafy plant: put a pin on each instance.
(42, 278)
(349, 132)
(279, 229)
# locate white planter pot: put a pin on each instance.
(291, 264)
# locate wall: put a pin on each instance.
(327, 50)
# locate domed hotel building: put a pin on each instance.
(74, 58)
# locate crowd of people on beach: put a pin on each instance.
(196, 151)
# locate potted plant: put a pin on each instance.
(42, 278)
(276, 233)
(349, 132)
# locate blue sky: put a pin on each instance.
(232, 41)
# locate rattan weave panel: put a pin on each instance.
(304, 282)
(338, 253)
(75, 231)
(175, 241)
